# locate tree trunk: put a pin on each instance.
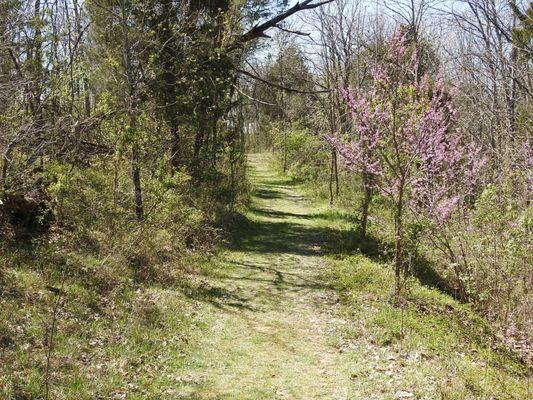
(336, 171)
(136, 172)
(5, 168)
(136, 177)
(365, 206)
(398, 244)
(35, 57)
(511, 96)
(331, 176)
(135, 162)
(284, 151)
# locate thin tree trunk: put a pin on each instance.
(136, 177)
(511, 97)
(87, 101)
(284, 151)
(5, 168)
(331, 176)
(135, 161)
(136, 174)
(398, 244)
(365, 206)
(336, 171)
(35, 55)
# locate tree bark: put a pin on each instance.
(259, 30)
(132, 105)
(398, 243)
(5, 168)
(336, 172)
(511, 96)
(331, 176)
(136, 177)
(365, 206)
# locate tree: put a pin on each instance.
(121, 38)
(340, 45)
(403, 137)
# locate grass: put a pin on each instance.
(268, 338)
(289, 252)
(297, 306)
(128, 341)
(430, 347)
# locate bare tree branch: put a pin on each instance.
(292, 31)
(259, 30)
(272, 84)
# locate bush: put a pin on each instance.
(300, 152)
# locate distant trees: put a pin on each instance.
(122, 51)
(340, 66)
(45, 108)
(490, 58)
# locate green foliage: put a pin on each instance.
(299, 150)
(108, 268)
(523, 35)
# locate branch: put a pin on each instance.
(287, 89)
(16, 63)
(259, 30)
(253, 98)
(291, 31)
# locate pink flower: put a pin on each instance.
(404, 136)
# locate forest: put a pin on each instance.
(266, 199)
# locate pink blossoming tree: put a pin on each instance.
(404, 138)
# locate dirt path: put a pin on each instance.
(271, 330)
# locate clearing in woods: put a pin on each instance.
(272, 336)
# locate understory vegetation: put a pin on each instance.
(480, 255)
(122, 165)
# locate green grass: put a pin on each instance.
(432, 346)
(96, 353)
(112, 335)
(296, 306)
